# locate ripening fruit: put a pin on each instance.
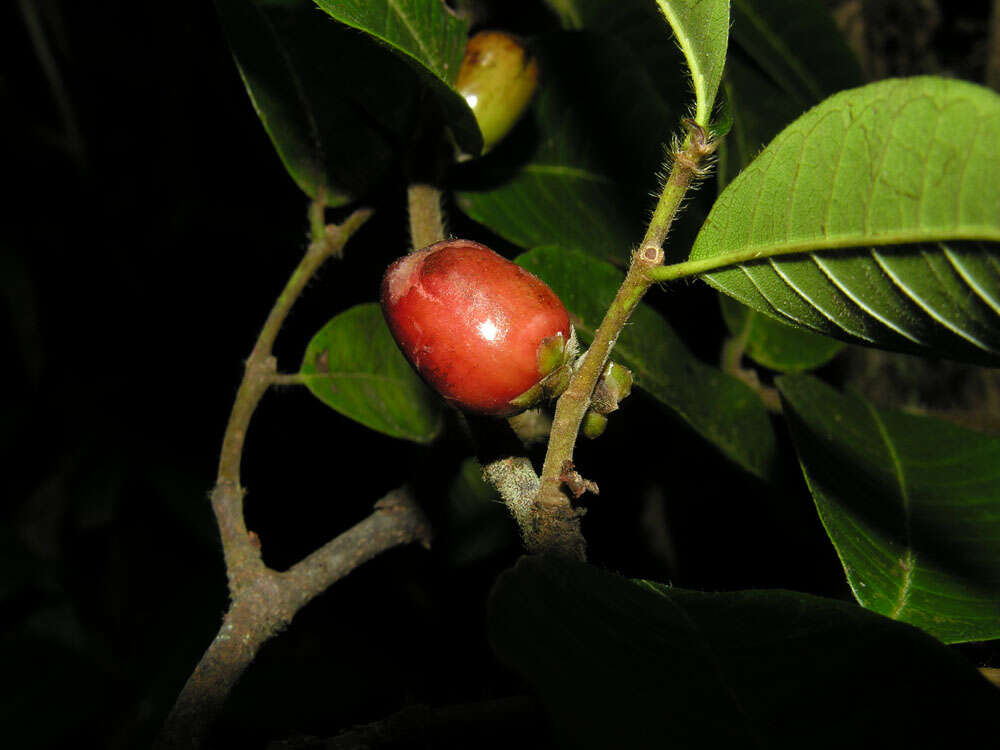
(497, 78)
(486, 334)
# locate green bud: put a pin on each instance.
(555, 366)
(593, 424)
(615, 384)
(498, 78)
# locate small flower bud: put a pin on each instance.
(593, 424)
(615, 384)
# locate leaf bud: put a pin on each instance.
(614, 385)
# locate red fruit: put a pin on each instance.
(477, 327)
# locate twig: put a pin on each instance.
(242, 555)
(263, 601)
(557, 523)
(516, 481)
(267, 604)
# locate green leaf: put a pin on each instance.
(912, 505)
(581, 167)
(354, 366)
(638, 25)
(635, 664)
(874, 218)
(785, 56)
(330, 132)
(775, 344)
(798, 46)
(702, 30)
(429, 37)
(721, 409)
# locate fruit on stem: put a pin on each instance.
(486, 334)
(498, 78)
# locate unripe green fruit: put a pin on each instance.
(498, 78)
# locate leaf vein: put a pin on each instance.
(928, 308)
(909, 560)
(970, 279)
(857, 300)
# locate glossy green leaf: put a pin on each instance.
(912, 505)
(701, 28)
(638, 25)
(580, 169)
(718, 407)
(760, 109)
(774, 344)
(874, 217)
(798, 46)
(784, 57)
(354, 366)
(427, 35)
(330, 132)
(635, 664)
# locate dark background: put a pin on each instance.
(146, 229)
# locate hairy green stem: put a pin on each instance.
(557, 529)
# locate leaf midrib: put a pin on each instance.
(973, 233)
(563, 170)
(715, 662)
(416, 37)
(421, 54)
(353, 376)
(909, 559)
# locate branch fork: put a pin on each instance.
(264, 601)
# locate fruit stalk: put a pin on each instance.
(426, 217)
